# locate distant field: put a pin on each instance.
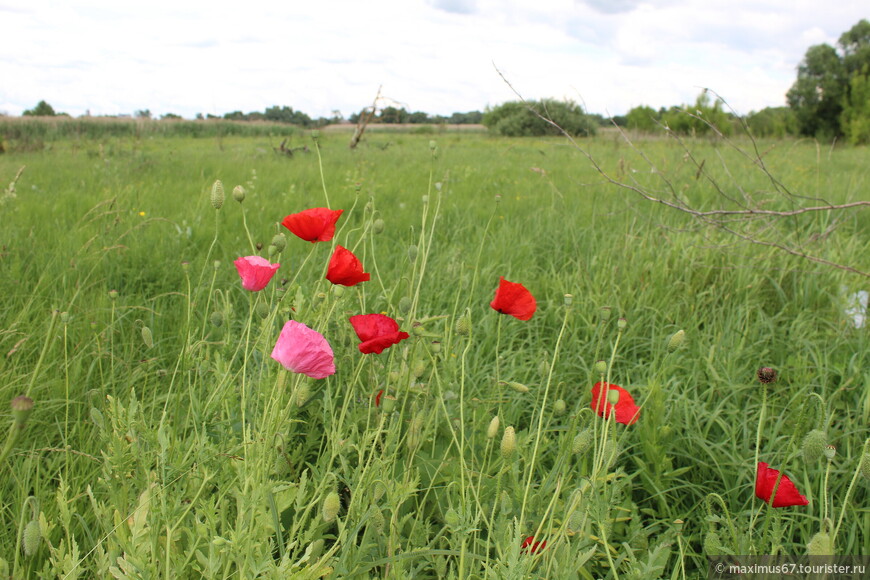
(165, 441)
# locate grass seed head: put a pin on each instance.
(331, 506)
(492, 428)
(217, 194)
(508, 442)
(676, 341)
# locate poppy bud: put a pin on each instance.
(217, 264)
(217, 194)
(518, 387)
(404, 305)
(676, 340)
(463, 325)
(378, 226)
(600, 367)
(412, 253)
(712, 544)
(492, 429)
(303, 393)
(451, 518)
(22, 406)
(820, 545)
(377, 520)
(814, 445)
(425, 199)
(864, 465)
(239, 193)
(97, 417)
(216, 319)
(419, 368)
(279, 241)
(147, 337)
(262, 309)
(582, 442)
(259, 246)
(559, 407)
(766, 375)
(31, 538)
(331, 506)
(272, 250)
(508, 442)
(433, 145)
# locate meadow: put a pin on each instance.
(151, 433)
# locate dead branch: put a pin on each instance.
(365, 117)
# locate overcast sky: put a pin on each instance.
(437, 56)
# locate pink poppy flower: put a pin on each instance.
(303, 350)
(377, 332)
(255, 272)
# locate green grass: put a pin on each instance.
(199, 455)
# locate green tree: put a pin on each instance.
(855, 120)
(42, 109)
(519, 119)
(772, 122)
(642, 118)
(817, 95)
(698, 119)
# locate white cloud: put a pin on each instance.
(436, 56)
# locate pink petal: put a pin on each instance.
(303, 350)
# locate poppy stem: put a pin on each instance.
(864, 451)
(320, 166)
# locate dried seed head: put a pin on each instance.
(217, 194)
(766, 375)
(492, 428)
(331, 506)
(676, 341)
(508, 442)
(813, 446)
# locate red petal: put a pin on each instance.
(313, 225)
(345, 268)
(514, 299)
(377, 332)
(626, 412)
(787, 493)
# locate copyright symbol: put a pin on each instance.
(720, 567)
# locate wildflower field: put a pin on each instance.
(433, 356)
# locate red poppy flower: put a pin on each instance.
(627, 412)
(345, 268)
(377, 332)
(313, 225)
(513, 298)
(787, 493)
(378, 398)
(530, 545)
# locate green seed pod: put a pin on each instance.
(216, 319)
(64, 317)
(388, 403)
(412, 253)
(830, 452)
(31, 538)
(435, 346)
(508, 442)
(559, 407)
(418, 368)
(279, 241)
(331, 507)
(820, 545)
(813, 446)
(463, 325)
(604, 313)
(272, 250)
(582, 442)
(418, 329)
(676, 341)
(338, 290)
(147, 337)
(378, 226)
(569, 299)
(600, 367)
(217, 194)
(113, 295)
(239, 193)
(492, 428)
(621, 323)
(433, 145)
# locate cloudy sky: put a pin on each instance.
(438, 56)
